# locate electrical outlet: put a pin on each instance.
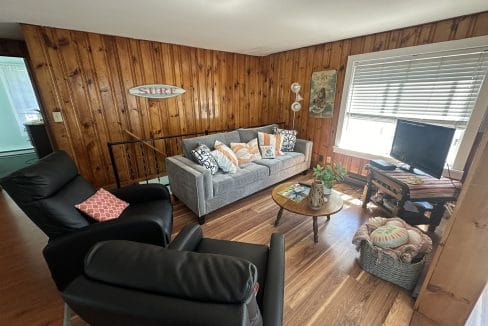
(57, 116)
(328, 160)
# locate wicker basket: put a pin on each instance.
(388, 268)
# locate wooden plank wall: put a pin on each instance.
(459, 270)
(86, 77)
(297, 66)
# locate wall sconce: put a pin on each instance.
(296, 106)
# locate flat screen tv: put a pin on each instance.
(422, 146)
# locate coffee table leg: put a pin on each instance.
(278, 217)
(315, 230)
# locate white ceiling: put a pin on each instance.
(257, 27)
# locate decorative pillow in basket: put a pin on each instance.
(392, 250)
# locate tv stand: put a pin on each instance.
(396, 191)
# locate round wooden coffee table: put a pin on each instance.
(333, 205)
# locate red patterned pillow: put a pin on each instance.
(102, 206)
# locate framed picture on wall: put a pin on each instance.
(322, 93)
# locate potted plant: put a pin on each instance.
(329, 175)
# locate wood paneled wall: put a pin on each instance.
(86, 77)
(459, 269)
(298, 65)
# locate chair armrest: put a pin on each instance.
(190, 182)
(305, 147)
(188, 239)
(275, 282)
(139, 193)
(65, 255)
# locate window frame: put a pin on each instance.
(426, 50)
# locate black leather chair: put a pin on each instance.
(47, 192)
(193, 281)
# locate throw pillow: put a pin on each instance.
(202, 156)
(246, 153)
(228, 153)
(271, 140)
(289, 139)
(267, 151)
(102, 206)
(223, 162)
(389, 236)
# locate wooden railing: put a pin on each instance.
(144, 158)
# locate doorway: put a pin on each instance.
(18, 107)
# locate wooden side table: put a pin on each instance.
(333, 205)
(395, 184)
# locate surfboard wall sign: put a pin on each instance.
(156, 91)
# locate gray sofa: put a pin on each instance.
(203, 193)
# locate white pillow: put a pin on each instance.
(226, 165)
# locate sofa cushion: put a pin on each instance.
(224, 163)
(248, 174)
(289, 138)
(246, 153)
(201, 154)
(209, 140)
(287, 160)
(227, 152)
(247, 134)
(267, 151)
(265, 139)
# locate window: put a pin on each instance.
(439, 87)
(18, 104)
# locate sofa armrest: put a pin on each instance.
(305, 147)
(65, 255)
(188, 239)
(139, 193)
(275, 282)
(190, 182)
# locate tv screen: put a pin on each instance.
(422, 146)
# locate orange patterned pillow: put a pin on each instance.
(246, 153)
(229, 155)
(271, 140)
(102, 206)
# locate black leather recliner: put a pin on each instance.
(47, 192)
(193, 281)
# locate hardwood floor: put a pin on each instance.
(324, 284)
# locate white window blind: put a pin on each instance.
(440, 88)
(439, 83)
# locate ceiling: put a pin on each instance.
(256, 27)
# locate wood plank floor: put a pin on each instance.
(324, 284)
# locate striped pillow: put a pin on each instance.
(271, 140)
(246, 153)
(226, 158)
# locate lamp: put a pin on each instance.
(296, 106)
